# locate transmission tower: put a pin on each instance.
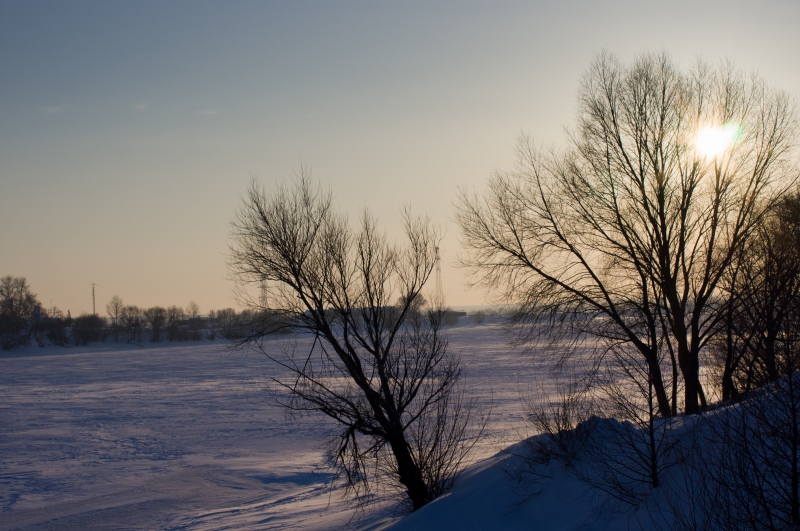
(94, 311)
(438, 290)
(262, 302)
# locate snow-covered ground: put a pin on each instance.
(494, 495)
(181, 436)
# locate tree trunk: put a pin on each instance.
(657, 382)
(769, 355)
(409, 473)
(688, 355)
(689, 368)
(691, 380)
(652, 440)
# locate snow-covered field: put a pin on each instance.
(181, 436)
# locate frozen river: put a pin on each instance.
(181, 436)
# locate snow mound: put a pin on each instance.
(494, 495)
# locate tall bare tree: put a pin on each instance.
(388, 381)
(16, 307)
(762, 293)
(131, 320)
(16, 302)
(114, 308)
(155, 317)
(175, 315)
(195, 321)
(630, 229)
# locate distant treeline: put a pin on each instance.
(23, 321)
(131, 324)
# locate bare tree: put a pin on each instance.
(560, 419)
(230, 324)
(762, 291)
(627, 454)
(626, 235)
(212, 325)
(623, 456)
(155, 317)
(131, 319)
(114, 309)
(16, 304)
(175, 315)
(389, 383)
(195, 321)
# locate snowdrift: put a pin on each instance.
(734, 467)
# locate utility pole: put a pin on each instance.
(94, 311)
(263, 298)
(438, 289)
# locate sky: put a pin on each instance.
(130, 130)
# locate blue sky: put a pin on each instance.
(128, 130)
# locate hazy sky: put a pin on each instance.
(128, 130)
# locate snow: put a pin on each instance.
(181, 436)
(489, 497)
(485, 499)
(161, 437)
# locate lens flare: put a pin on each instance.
(713, 141)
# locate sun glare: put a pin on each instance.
(713, 141)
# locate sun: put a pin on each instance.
(713, 141)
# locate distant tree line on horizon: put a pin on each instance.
(24, 321)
